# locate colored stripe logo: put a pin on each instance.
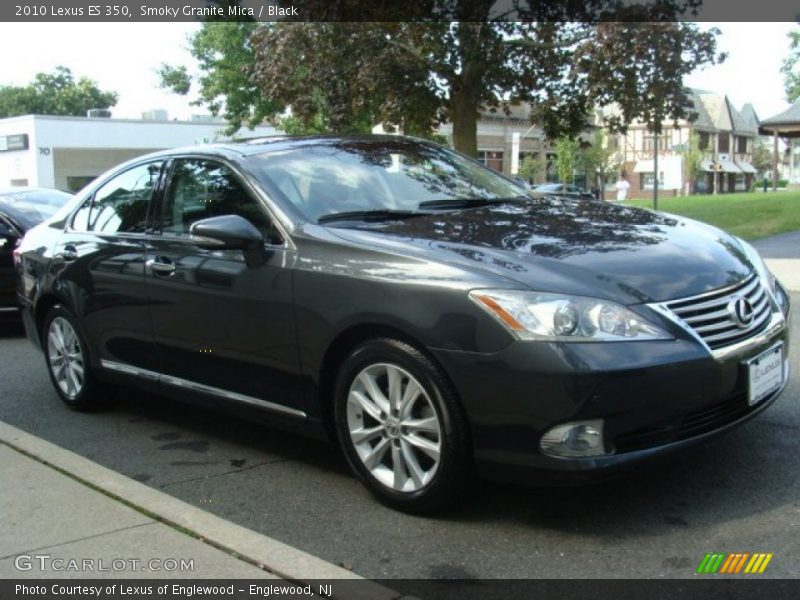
(733, 563)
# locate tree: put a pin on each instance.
(600, 159)
(563, 58)
(762, 157)
(534, 168)
(692, 157)
(791, 68)
(567, 156)
(225, 86)
(419, 74)
(56, 93)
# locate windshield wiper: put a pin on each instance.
(457, 203)
(370, 215)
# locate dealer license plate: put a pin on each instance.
(764, 374)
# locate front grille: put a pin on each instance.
(691, 425)
(709, 316)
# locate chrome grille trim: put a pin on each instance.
(707, 318)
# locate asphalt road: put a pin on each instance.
(738, 493)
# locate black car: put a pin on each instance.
(567, 190)
(417, 307)
(20, 209)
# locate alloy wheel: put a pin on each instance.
(394, 427)
(66, 357)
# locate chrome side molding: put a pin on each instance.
(200, 387)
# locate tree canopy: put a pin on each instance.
(791, 68)
(56, 93)
(559, 57)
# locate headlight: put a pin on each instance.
(764, 274)
(534, 315)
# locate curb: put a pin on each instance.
(276, 557)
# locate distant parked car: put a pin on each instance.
(20, 209)
(566, 190)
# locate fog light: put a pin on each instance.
(579, 438)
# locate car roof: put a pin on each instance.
(275, 143)
(16, 191)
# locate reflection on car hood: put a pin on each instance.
(556, 244)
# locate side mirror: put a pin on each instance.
(228, 232)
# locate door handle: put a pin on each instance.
(70, 253)
(159, 267)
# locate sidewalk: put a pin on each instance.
(58, 505)
(48, 514)
(782, 255)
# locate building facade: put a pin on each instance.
(68, 152)
(725, 135)
(496, 132)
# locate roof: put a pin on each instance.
(791, 116)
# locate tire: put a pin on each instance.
(75, 382)
(411, 448)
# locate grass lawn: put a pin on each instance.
(750, 215)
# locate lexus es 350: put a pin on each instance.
(422, 310)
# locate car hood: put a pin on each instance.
(571, 246)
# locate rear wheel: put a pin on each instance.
(401, 426)
(68, 361)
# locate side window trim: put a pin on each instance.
(154, 200)
(166, 179)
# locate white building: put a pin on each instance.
(68, 152)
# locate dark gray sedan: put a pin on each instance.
(421, 310)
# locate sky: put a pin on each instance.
(124, 57)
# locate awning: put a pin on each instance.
(728, 166)
(746, 167)
(644, 166)
(720, 166)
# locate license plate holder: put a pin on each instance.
(764, 374)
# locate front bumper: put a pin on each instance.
(654, 398)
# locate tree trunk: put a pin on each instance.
(465, 125)
(467, 89)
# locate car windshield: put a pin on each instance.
(28, 209)
(344, 176)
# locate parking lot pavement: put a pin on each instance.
(740, 492)
(782, 255)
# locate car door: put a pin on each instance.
(98, 263)
(220, 326)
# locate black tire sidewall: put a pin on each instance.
(91, 392)
(453, 460)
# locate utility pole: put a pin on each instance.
(655, 168)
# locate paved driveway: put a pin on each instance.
(782, 255)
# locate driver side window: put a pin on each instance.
(200, 189)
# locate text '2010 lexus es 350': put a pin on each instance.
(421, 309)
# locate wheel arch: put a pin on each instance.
(339, 348)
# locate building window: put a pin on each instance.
(646, 180)
(493, 160)
(75, 184)
(19, 182)
(741, 144)
(649, 142)
(740, 185)
(724, 143)
(703, 140)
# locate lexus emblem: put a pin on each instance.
(741, 312)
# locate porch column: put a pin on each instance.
(775, 160)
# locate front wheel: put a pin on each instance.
(401, 427)
(68, 361)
